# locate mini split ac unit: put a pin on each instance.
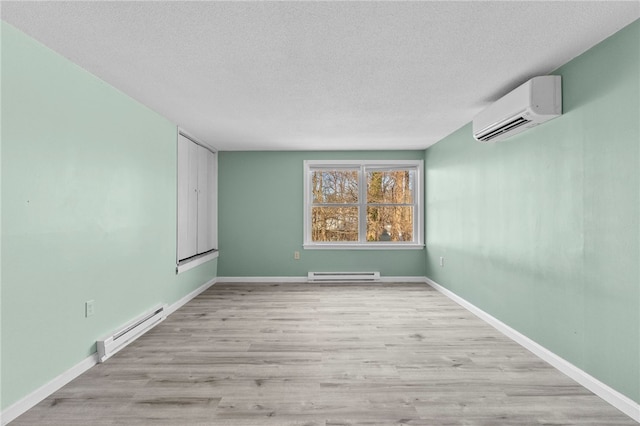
(536, 101)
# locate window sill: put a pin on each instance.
(374, 246)
(192, 262)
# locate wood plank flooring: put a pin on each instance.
(323, 354)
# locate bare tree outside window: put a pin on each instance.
(390, 205)
(337, 218)
(362, 204)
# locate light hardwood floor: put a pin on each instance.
(323, 354)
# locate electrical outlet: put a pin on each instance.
(89, 308)
(296, 255)
(442, 261)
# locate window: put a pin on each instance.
(197, 203)
(363, 204)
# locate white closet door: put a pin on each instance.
(205, 199)
(187, 198)
(212, 187)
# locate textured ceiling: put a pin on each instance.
(319, 75)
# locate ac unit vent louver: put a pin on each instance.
(511, 124)
(536, 101)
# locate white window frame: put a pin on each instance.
(362, 166)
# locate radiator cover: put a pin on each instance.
(343, 276)
(110, 345)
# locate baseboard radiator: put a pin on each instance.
(110, 345)
(343, 276)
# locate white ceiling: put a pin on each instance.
(319, 75)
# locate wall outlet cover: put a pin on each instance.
(89, 308)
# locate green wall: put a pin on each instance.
(88, 213)
(261, 219)
(542, 230)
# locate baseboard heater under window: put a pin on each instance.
(343, 276)
(110, 345)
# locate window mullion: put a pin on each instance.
(362, 209)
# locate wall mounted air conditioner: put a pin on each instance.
(536, 101)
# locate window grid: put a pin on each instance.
(363, 206)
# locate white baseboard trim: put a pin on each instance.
(270, 280)
(35, 397)
(183, 301)
(265, 280)
(401, 280)
(613, 397)
(21, 406)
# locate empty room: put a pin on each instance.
(321, 213)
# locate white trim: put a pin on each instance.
(21, 406)
(271, 280)
(377, 164)
(197, 141)
(610, 395)
(184, 300)
(196, 261)
(401, 280)
(363, 246)
(214, 203)
(264, 280)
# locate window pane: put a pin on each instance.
(334, 186)
(334, 224)
(390, 223)
(394, 186)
